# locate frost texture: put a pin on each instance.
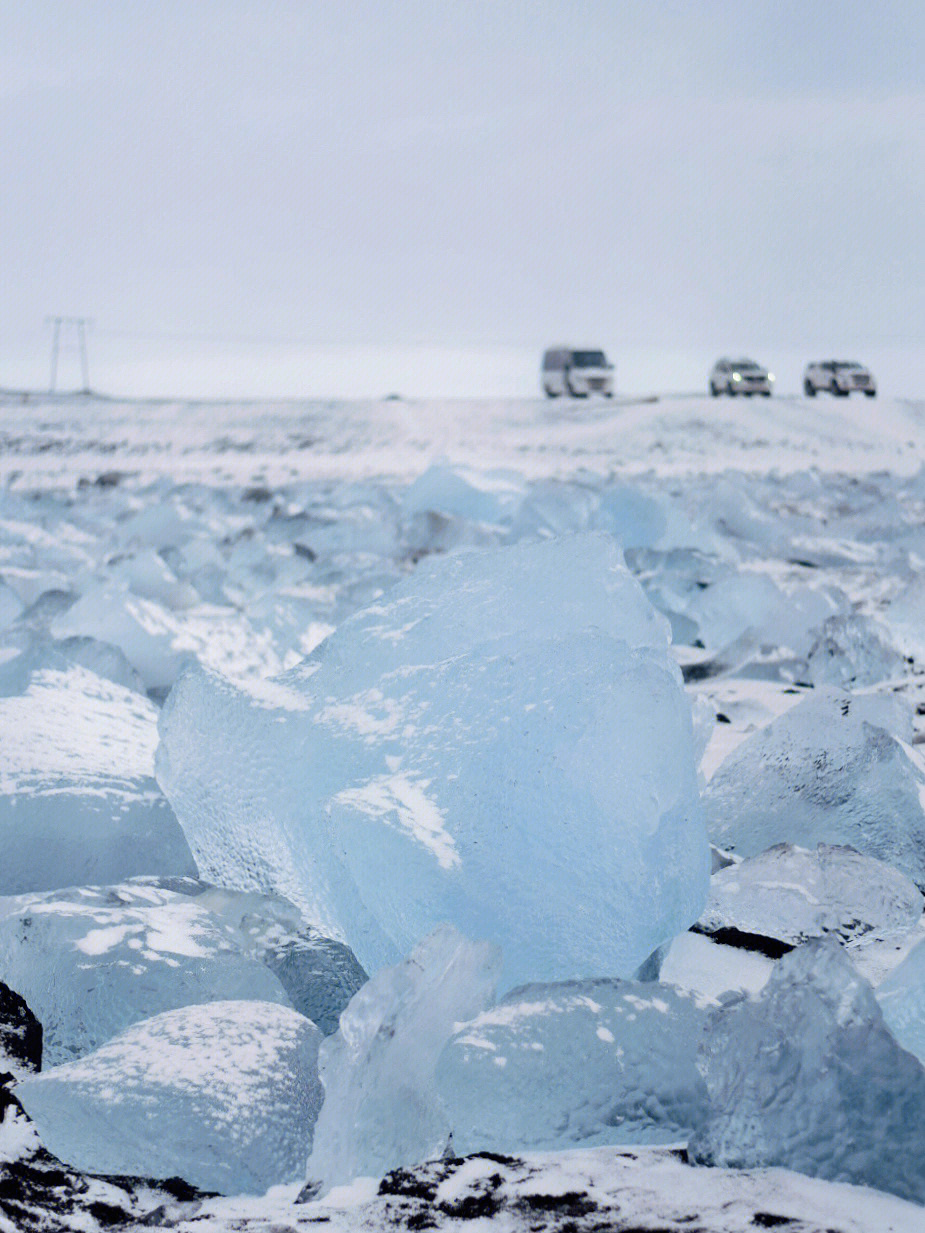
(581, 1063)
(824, 772)
(902, 1000)
(502, 742)
(381, 1108)
(224, 1096)
(807, 1077)
(92, 960)
(78, 800)
(792, 894)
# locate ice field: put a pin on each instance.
(462, 814)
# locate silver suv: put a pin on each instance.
(838, 377)
(577, 373)
(740, 377)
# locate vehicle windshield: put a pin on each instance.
(589, 359)
(836, 364)
(746, 366)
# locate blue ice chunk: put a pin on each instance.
(381, 1108)
(92, 960)
(827, 771)
(224, 1096)
(902, 1000)
(320, 975)
(852, 651)
(575, 1064)
(78, 800)
(502, 742)
(806, 1076)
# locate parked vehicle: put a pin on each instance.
(740, 377)
(576, 373)
(838, 377)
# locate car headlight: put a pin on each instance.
(737, 376)
(770, 376)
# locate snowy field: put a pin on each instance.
(591, 732)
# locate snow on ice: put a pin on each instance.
(224, 1095)
(93, 960)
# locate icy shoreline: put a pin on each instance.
(781, 545)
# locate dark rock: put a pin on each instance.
(20, 1034)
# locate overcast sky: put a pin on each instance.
(644, 175)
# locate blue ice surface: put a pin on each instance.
(807, 1076)
(828, 771)
(78, 799)
(902, 1000)
(223, 1095)
(575, 1064)
(502, 742)
(381, 1108)
(90, 961)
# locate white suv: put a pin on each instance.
(740, 377)
(577, 373)
(838, 377)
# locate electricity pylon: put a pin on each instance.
(79, 326)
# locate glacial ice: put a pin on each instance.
(806, 1076)
(580, 1063)
(78, 800)
(827, 771)
(381, 1109)
(320, 975)
(92, 960)
(852, 651)
(793, 894)
(224, 1096)
(902, 1000)
(498, 712)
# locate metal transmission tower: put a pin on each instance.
(78, 326)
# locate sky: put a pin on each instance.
(319, 198)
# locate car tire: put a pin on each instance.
(871, 393)
(574, 393)
(765, 393)
(714, 391)
(551, 393)
(809, 389)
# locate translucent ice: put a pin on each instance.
(319, 974)
(851, 651)
(580, 1063)
(501, 742)
(902, 1000)
(78, 801)
(806, 1076)
(92, 960)
(793, 894)
(381, 1108)
(224, 1096)
(827, 771)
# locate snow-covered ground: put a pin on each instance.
(55, 440)
(783, 543)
